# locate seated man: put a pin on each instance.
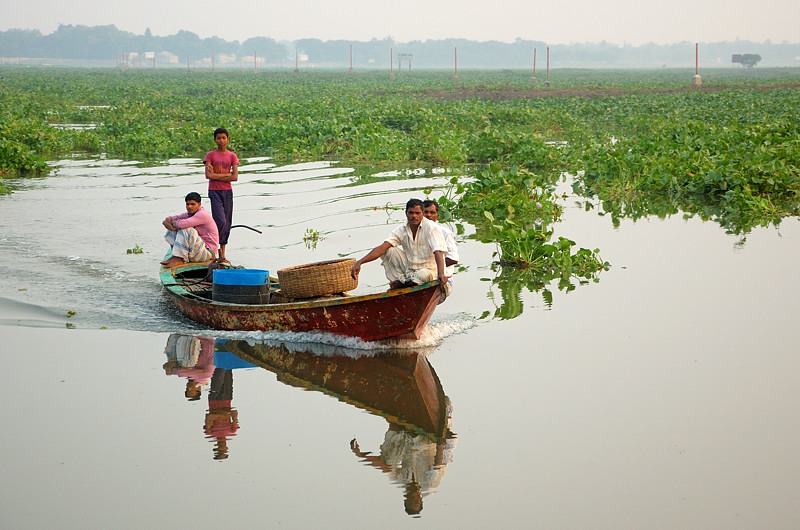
(192, 236)
(413, 253)
(430, 209)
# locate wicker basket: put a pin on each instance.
(317, 279)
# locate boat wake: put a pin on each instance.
(15, 313)
(329, 344)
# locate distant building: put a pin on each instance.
(167, 57)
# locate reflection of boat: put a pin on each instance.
(401, 313)
(404, 389)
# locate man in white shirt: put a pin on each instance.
(413, 253)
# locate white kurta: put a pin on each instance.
(411, 259)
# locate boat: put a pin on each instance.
(397, 313)
(403, 388)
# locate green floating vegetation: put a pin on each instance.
(730, 157)
(311, 237)
(516, 210)
(638, 143)
(643, 142)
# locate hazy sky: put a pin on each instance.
(554, 22)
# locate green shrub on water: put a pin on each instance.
(21, 145)
(731, 157)
(531, 247)
(508, 194)
(514, 209)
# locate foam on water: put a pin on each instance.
(329, 344)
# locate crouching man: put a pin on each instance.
(192, 235)
(414, 252)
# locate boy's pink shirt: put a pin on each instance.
(222, 163)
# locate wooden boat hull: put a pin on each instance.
(404, 389)
(400, 313)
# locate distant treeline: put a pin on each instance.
(109, 46)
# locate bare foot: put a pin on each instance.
(172, 262)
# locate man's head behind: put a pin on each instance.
(430, 209)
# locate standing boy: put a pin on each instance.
(222, 168)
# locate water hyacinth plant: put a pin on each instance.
(311, 237)
(639, 142)
(515, 210)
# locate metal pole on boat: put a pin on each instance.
(248, 227)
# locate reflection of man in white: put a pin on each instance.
(413, 254)
(430, 210)
(413, 459)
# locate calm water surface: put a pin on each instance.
(662, 396)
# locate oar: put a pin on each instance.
(248, 227)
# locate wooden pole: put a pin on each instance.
(455, 58)
(296, 60)
(391, 63)
(547, 81)
(697, 80)
(351, 58)
(533, 79)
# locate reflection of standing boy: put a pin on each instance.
(222, 168)
(222, 420)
